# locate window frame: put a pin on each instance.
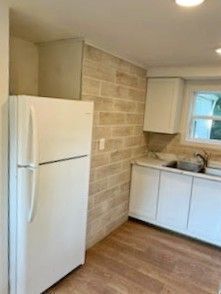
(191, 88)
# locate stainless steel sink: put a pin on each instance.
(194, 167)
(172, 164)
(186, 165)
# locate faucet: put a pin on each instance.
(203, 157)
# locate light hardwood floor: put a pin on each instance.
(137, 259)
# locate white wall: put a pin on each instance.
(51, 69)
(4, 48)
(60, 65)
(23, 67)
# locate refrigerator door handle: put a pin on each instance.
(34, 194)
(34, 144)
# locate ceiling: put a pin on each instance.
(146, 32)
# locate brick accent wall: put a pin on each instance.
(118, 89)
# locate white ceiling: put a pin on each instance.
(146, 32)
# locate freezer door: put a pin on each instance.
(52, 129)
(52, 242)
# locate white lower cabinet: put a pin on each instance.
(174, 200)
(205, 211)
(182, 203)
(144, 193)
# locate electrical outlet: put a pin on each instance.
(102, 144)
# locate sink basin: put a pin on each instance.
(186, 165)
(194, 167)
(213, 171)
(172, 164)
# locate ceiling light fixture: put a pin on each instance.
(189, 3)
(218, 51)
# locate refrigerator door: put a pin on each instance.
(51, 243)
(51, 129)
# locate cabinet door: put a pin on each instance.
(144, 192)
(163, 105)
(205, 210)
(174, 200)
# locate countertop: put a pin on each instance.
(160, 165)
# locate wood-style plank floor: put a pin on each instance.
(137, 259)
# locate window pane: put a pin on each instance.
(201, 129)
(207, 104)
(206, 129)
(216, 130)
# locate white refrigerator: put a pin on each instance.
(50, 146)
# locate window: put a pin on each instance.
(205, 118)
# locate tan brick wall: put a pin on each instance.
(118, 90)
(171, 144)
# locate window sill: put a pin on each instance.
(200, 143)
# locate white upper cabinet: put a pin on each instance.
(163, 105)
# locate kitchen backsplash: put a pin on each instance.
(171, 144)
(118, 89)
